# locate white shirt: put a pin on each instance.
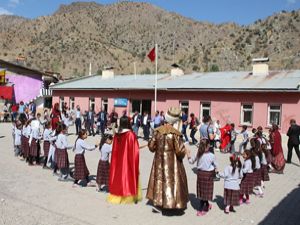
(257, 163)
(232, 181)
(145, 120)
(18, 134)
(207, 162)
(78, 114)
(62, 142)
(81, 146)
(26, 131)
(247, 167)
(47, 134)
(105, 151)
(264, 160)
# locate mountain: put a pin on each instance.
(122, 33)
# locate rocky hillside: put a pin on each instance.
(119, 34)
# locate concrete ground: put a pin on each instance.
(33, 196)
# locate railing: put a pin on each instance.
(45, 92)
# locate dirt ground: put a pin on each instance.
(33, 196)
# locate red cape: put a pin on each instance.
(277, 147)
(124, 169)
(225, 136)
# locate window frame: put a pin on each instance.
(204, 108)
(242, 117)
(269, 113)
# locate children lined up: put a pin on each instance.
(239, 179)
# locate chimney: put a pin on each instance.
(108, 72)
(260, 67)
(176, 70)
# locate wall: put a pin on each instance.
(26, 88)
(225, 106)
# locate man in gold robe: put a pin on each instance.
(167, 187)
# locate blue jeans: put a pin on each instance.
(78, 125)
(183, 131)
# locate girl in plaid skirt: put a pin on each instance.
(206, 166)
(103, 165)
(232, 177)
(46, 145)
(247, 182)
(81, 171)
(62, 159)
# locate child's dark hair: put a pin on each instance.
(254, 130)
(60, 128)
(244, 127)
(257, 149)
(235, 162)
(251, 157)
(104, 138)
(204, 143)
(80, 136)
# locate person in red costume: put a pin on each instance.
(225, 137)
(55, 116)
(278, 161)
(124, 170)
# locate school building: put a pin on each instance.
(256, 98)
(21, 83)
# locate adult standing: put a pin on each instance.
(55, 116)
(167, 187)
(78, 119)
(146, 119)
(113, 118)
(102, 121)
(225, 137)
(184, 120)
(157, 120)
(278, 161)
(124, 169)
(90, 117)
(32, 107)
(136, 122)
(193, 126)
(293, 142)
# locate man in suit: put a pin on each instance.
(146, 119)
(102, 120)
(136, 122)
(293, 142)
(90, 121)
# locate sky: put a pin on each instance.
(242, 12)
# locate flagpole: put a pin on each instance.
(155, 87)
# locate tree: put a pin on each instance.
(214, 68)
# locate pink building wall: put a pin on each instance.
(225, 106)
(26, 87)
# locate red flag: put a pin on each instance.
(151, 55)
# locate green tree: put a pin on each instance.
(214, 68)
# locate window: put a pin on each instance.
(184, 106)
(72, 103)
(274, 114)
(105, 104)
(61, 102)
(92, 103)
(205, 109)
(246, 114)
(136, 106)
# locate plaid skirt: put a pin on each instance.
(81, 171)
(231, 197)
(34, 148)
(205, 185)
(247, 184)
(25, 148)
(264, 173)
(62, 158)
(46, 148)
(257, 177)
(103, 173)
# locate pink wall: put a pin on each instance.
(26, 88)
(224, 106)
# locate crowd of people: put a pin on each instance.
(118, 168)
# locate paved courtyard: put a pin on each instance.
(33, 196)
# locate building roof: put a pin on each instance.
(212, 81)
(24, 70)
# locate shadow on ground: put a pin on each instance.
(286, 212)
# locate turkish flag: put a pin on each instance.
(151, 55)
